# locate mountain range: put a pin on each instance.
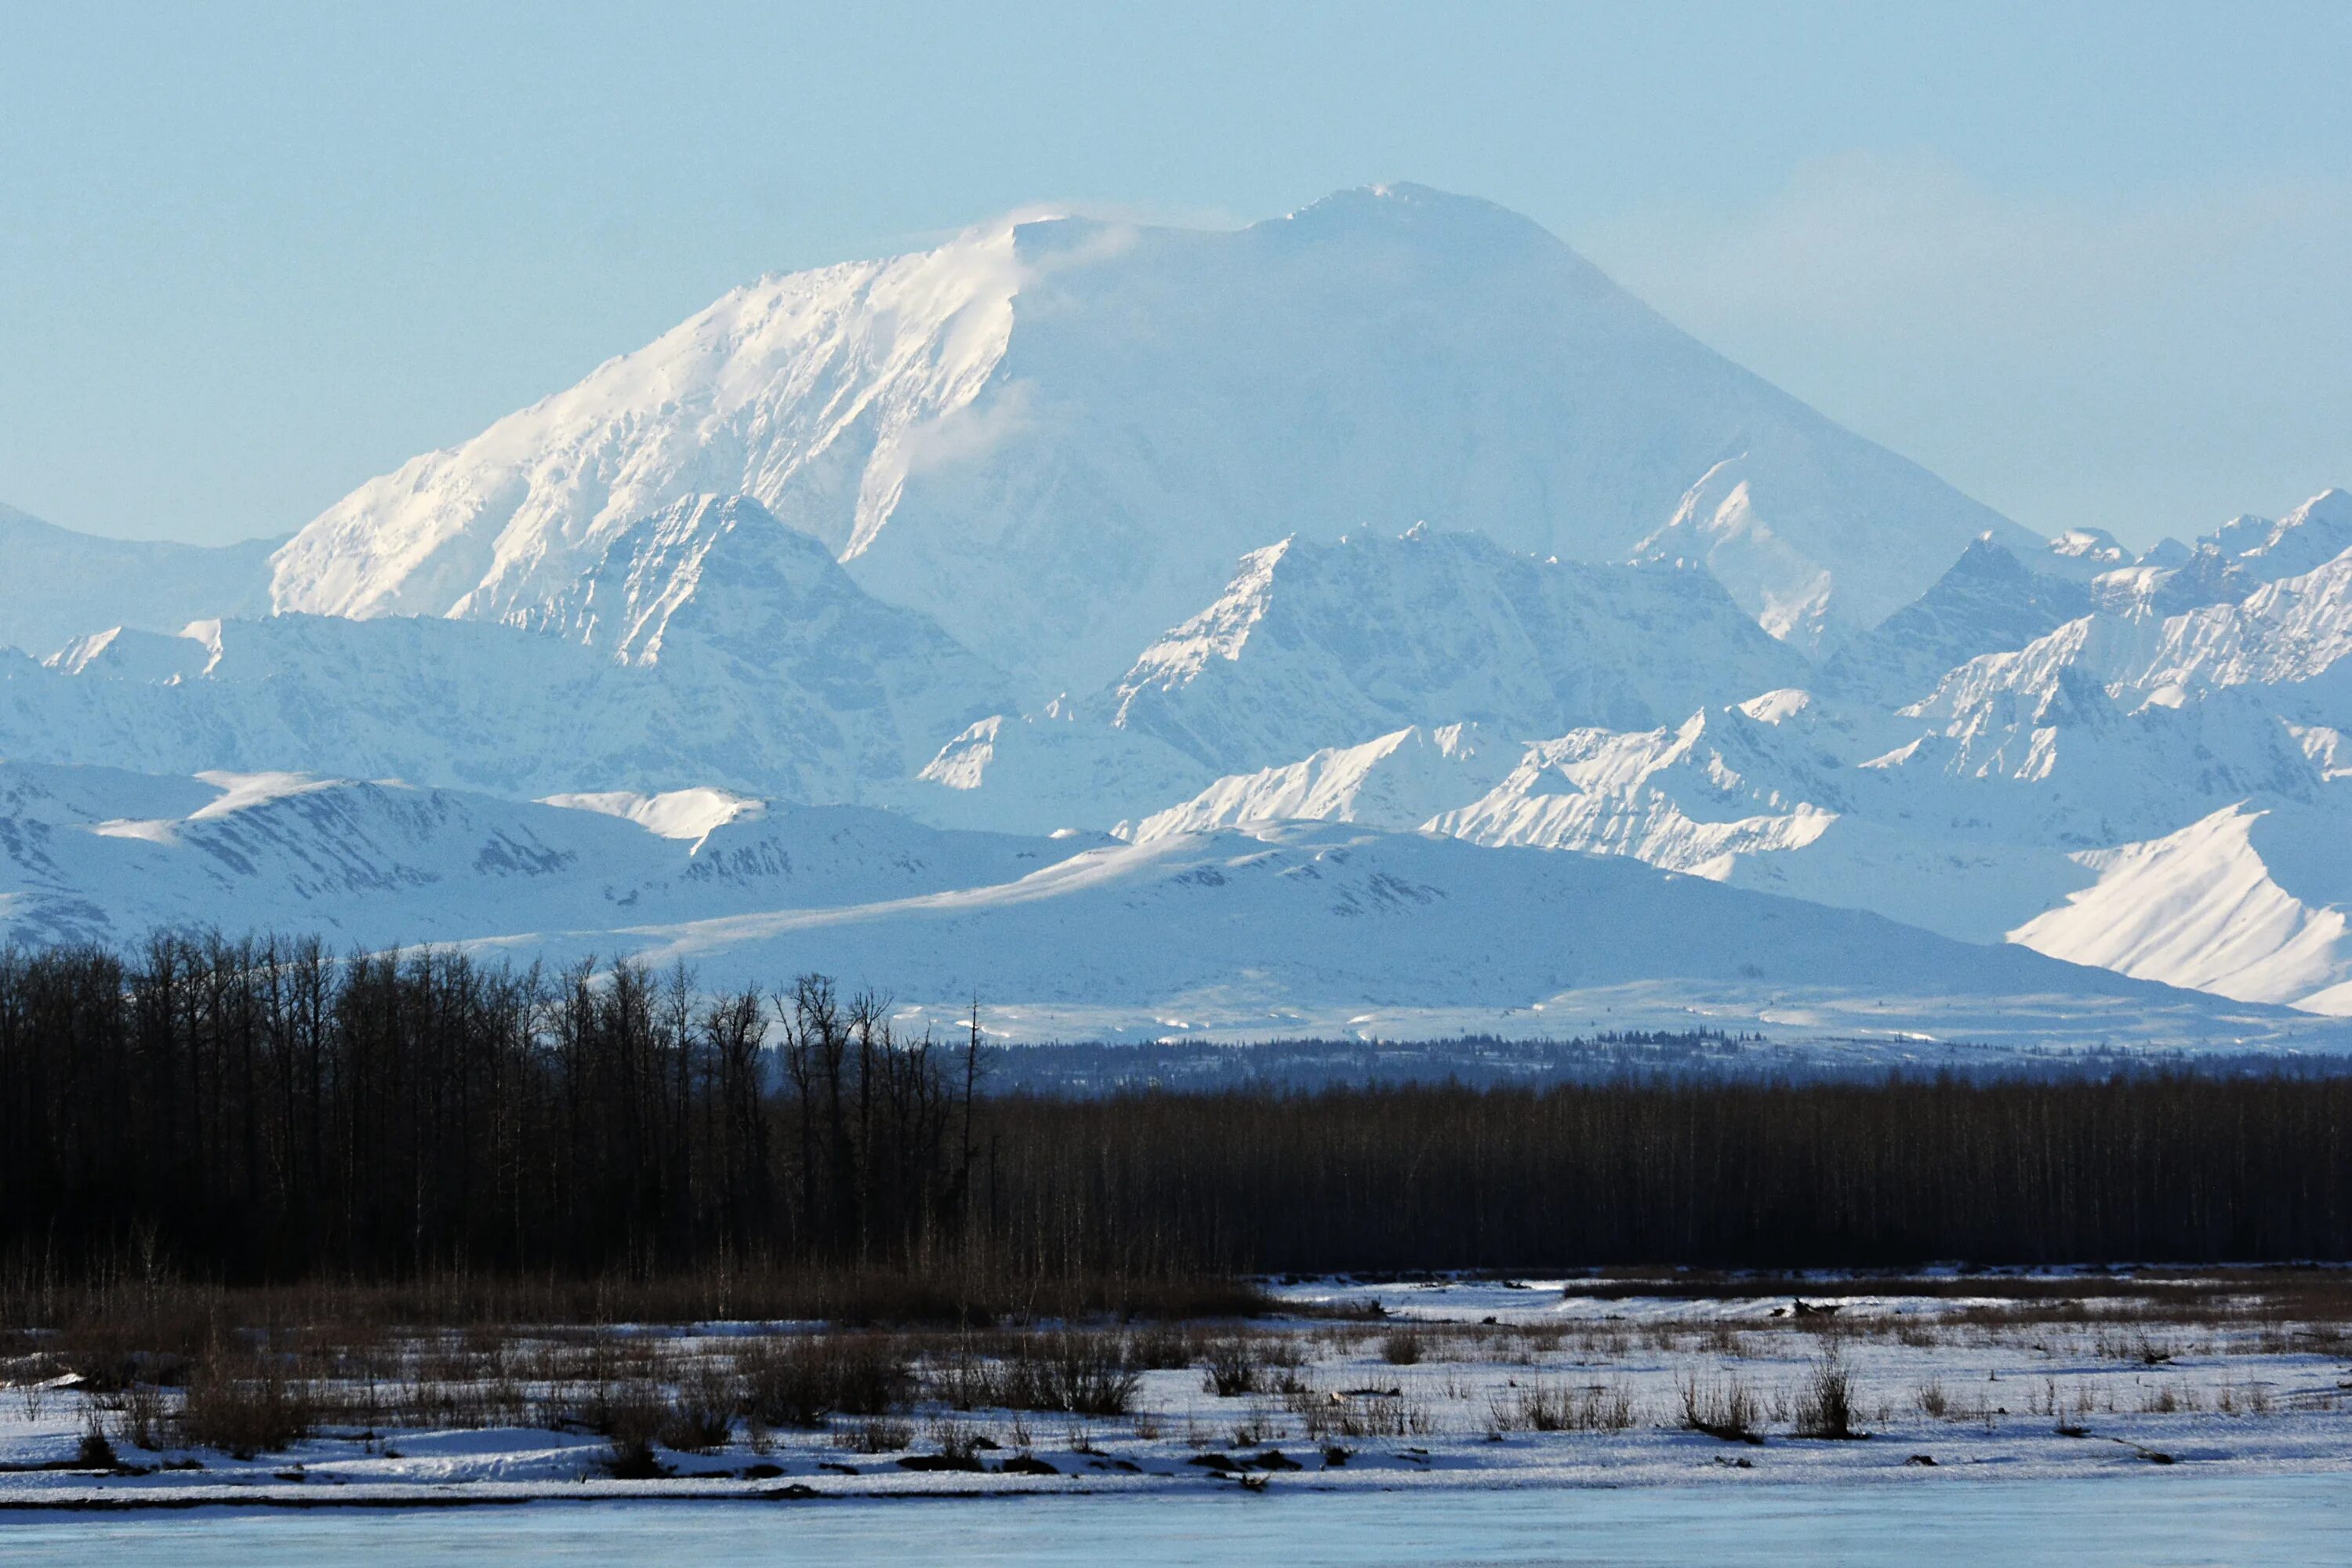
(1369, 619)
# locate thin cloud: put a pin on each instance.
(2147, 364)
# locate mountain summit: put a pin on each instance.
(1056, 437)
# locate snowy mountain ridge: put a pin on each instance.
(758, 666)
(1366, 615)
(1047, 432)
(1356, 639)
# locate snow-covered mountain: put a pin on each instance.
(1353, 639)
(1317, 928)
(2314, 533)
(2205, 906)
(59, 585)
(1397, 781)
(1050, 432)
(1370, 618)
(2285, 641)
(1989, 602)
(96, 854)
(2160, 795)
(1294, 926)
(757, 666)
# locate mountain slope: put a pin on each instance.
(2204, 907)
(1331, 928)
(2314, 533)
(1046, 433)
(711, 647)
(1398, 781)
(98, 855)
(753, 627)
(56, 584)
(1306, 926)
(1989, 601)
(1312, 644)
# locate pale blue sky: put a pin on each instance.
(2089, 262)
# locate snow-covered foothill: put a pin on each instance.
(2203, 906)
(91, 854)
(1399, 781)
(1302, 928)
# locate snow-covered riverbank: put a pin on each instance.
(1484, 1384)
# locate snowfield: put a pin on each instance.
(1446, 1383)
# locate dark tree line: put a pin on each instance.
(267, 1110)
(256, 1110)
(2154, 1167)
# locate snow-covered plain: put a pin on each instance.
(1479, 1384)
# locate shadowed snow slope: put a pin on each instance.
(1045, 433)
(1038, 772)
(757, 666)
(1312, 643)
(92, 854)
(1989, 602)
(59, 584)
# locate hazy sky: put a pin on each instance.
(2093, 264)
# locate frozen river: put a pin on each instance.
(2153, 1518)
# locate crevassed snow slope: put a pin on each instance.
(1046, 433)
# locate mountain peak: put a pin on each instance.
(2313, 533)
(1315, 643)
(1051, 436)
(686, 555)
(1989, 601)
(1404, 208)
(2332, 506)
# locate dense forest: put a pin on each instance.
(267, 1111)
